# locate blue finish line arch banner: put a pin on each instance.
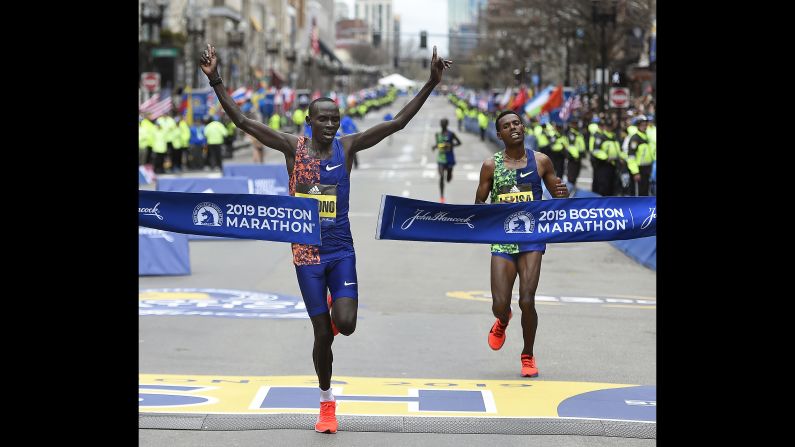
(244, 216)
(547, 221)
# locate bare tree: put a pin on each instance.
(543, 37)
(367, 55)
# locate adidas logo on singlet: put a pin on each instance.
(314, 190)
(514, 189)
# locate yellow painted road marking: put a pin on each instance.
(392, 396)
(472, 295)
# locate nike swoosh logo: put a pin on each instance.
(525, 175)
(331, 168)
(349, 283)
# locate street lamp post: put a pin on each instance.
(196, 28)
(602, 18)
(235, 40)
(151, 24)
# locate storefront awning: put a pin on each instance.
(324, 49)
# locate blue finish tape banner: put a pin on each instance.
(269, 179)
(243, 216)
(162, 253)
(224, 185)
(548, 221)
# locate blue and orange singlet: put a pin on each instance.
(327, 181)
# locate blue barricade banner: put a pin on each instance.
(225, 185)
(548, 221)
(642, 250)
(268, 179)
(162, 253)
(243, 216)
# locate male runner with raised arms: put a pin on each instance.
(446, 140)
(510, 176)
(320, 168)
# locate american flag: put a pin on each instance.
(572, 104)
(242, 95)
(156, 106)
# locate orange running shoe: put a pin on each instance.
(497, 333)
(529, 366)
(327, 419)
(441, 200)
(333, 326)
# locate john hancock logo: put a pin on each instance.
(520, 222)
(208, 214)
(652, 216)
(151, 211)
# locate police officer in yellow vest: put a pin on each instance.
(145, 134)
(215, 133)
(298, 119)
(600, 146)
(167, 125)
(640, 157)
(275, 121)
(177, 145)
(459, 115)
(576, 151)
(159, 147)
(558, 148)
(651, 132)
(472, 114)
(483, 122)
(541, 136)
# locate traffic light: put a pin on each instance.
(376, 39)
(423, 39)
(395, 62)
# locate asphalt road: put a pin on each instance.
(423, 310)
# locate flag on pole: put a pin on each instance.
(572, 104)
(189, 107)
(555, 100)
(159, 107)
(533, 107)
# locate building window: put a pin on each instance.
(356, 9)
(380, 17)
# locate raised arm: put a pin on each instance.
(456, 141)
(486, 181)
(282, 142)
(554, 184)
(372, 136)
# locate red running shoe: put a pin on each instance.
(529, 366)
(497, 333)
(327, 419)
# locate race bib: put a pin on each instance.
(441, 156)
(515, 193)
(325, 194)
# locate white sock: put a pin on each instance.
(326, 396)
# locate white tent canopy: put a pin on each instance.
(398, 81)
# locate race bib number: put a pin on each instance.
(515, 193)
(325, 194)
